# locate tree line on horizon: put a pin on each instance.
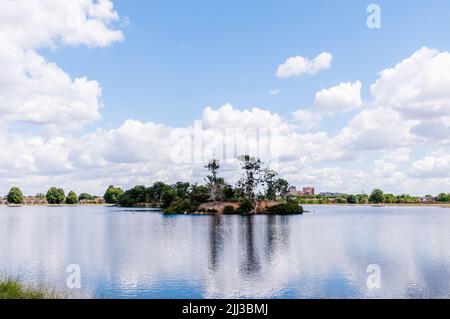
(257, 183)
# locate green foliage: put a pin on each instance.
(351, 199)
(12, 289)
(112, 194)
(245, 206)
(228, 193)
(55, 195)
(229, 210)
(15, 196)
(199, 193)
(85, 196)
(286, 209)
(133, 197)
(167, 197)
(182, 189)
(377, 196)
(72, 198)
(181, 206)
(444, 197)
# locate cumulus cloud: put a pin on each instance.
(35, 90)
(307, 119)
(298, 65)
(436, 164)
(342, 98)
(417, 87)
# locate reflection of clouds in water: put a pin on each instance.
(138, 254)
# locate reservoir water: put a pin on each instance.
(332, 252)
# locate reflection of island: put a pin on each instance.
(251, 263)
(276, 235)
(215, 240)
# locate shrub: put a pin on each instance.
(286, 209)
(245, 206)
(229, 210)
(180, 206)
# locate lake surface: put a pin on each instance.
(126, 253)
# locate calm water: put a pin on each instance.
(142, 254)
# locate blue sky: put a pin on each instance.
(87, 104)
(179, 57)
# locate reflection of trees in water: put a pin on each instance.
(273, 238)
(251, 263)
(215, 240)
(277, 234)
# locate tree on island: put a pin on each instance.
(15, 196)
(214, 183)
(72, 198)
(112, 194)
(55, 195)
(377, 196)
(275, 187)
(252, 178)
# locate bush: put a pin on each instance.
(181, 206)
(286, 209)
(229, 210)
(245, 206)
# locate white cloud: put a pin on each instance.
(228, 117)
(275, 92)
(417, 87)
(35, 90)
(298, 65)
(307, 119)
(342, 98)
(434, 165)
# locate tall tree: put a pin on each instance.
(251, 178)
(213, 181)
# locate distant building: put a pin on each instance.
(3, 201)
(307, 191)
(428, 199)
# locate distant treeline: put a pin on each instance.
(376, 197)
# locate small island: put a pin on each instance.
(258, 191)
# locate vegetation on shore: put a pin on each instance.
(13, 289)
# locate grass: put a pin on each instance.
(13, 289)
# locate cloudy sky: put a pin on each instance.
(105, 92)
